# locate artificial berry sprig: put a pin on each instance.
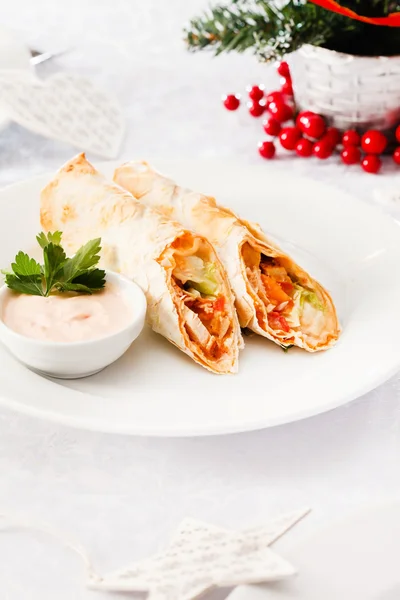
(396, 155)
(256, 108)
(231, 101)
(333, 135)
(266, 149)
(311, 125)
(309, 134)
(373, 142)
(323, 148)
(304, 147)
(351, 155)
(289, 136)
(371, 163)
(272, 126)
(283, 70)
(350, 138)
(256, 92)
(281, 111)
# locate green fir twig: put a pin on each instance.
(270, 32)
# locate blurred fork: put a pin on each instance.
(38, 57)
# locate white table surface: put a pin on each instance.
(122, 497)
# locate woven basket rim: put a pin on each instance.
(343, 55)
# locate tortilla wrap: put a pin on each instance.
(189, 300)
(275, 297)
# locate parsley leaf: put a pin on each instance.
(94, 279)
(25, 284)
(86, 257)
(73, 287)
(44, 239)
(89, 282)
(58, 273)
(54, 260)
(24, 265)
(26, 275)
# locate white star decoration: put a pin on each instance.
(201, 557)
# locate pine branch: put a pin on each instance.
(227, 28)
(271, 32)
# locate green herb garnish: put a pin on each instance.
(58, 273)
(311, 298)
(286, 348)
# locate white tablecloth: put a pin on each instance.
(122, 497)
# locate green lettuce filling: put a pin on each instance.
(310, 297)
(198, 275)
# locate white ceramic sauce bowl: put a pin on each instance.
(72, 360)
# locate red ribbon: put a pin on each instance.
(392, 20)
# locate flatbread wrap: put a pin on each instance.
(188, 295)
(275, 297)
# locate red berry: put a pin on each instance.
(266, 149)
(231, 101)
(322, 149)
(288, 137)
(373, 142)
(283, 69)
(333, 135)
(350, 155)
(351, 138)
(274, 97)
(396, 155)
(281, 111)
(287, 87)
(312, 125)
(302, 116)
(304, 147)
(272, 126)
(398, 134)
(371, 163)
(256, 109)
(328, 139)
(256, 92)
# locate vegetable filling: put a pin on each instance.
(200, 287)
(279, 295)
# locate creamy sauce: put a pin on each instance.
(67, 317)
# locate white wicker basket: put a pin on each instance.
(350, 91)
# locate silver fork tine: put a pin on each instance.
(40, 57)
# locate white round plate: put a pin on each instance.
(155, 389)
(356, 559)
(13, 55)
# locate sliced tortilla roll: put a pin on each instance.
(188, 294)
(275, 297)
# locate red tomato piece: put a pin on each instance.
(280, 320)
(219, 304)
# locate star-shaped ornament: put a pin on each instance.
(202, 557)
